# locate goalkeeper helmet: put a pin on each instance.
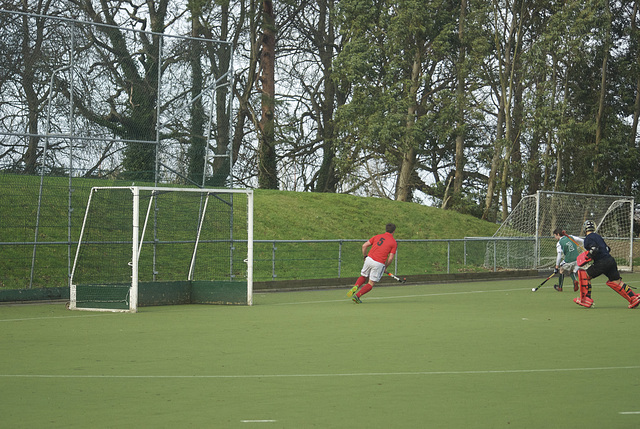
(589, 226)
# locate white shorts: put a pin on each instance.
(372, 269)
(568, 267)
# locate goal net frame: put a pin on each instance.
(525, 239)
(138, 230)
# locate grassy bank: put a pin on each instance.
(278, 215)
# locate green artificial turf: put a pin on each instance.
(465, 355)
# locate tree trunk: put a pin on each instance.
(460, 95)
(636, 105)
(601, 102)
(536, 162)
(603, 93)
(495, 165)
(408, 163)
(31, 50)
(327, 177)
(196, 150)
(243, 95)
(267, 165)
(516, 153)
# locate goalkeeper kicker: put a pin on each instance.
(597, 251)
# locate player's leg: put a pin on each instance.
(585, 290)
(558, 287)
(364, 275)
(366, 288)
(359, 282)
(376, 269)
(610, 269)
(576, 283)
(624, 291)
(571, 268)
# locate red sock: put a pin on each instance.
(361, 281)
(366, 288)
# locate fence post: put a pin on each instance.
(495, 255)
(464, 252)
(395, 266)
(273, 261)
(339, 258)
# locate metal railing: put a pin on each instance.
(309, 259)
(312, 259)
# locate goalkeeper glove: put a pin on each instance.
(583, 259)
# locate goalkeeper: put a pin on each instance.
(603, 263)
(566, 246)
(383, 250)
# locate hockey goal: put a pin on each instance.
(155, 246)
(525, 239)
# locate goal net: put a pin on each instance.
(142, 246)
(525, 239)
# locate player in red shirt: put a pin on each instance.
(383, 250)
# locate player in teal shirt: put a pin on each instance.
(567, 265)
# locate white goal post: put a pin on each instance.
(159, 245)
(525, 239)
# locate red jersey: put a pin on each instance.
(382, 246)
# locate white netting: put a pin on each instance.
(159, 236)
(525, 239)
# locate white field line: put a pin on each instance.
(286, 303)
(352, 374)
(405, 296)
(54, 317)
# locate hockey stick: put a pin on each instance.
(401, 280)
(573, 241)
(545, 280)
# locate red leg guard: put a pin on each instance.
(622, 288)
(585, 290)
(361, 281)
(585, 283)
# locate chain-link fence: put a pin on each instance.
(108, 102)
(84, 104)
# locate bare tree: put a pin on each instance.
(29, 58)
(135, 73)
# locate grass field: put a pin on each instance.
(465, 355)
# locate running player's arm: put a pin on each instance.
(389, 260)
(391, 255)
(365, 246)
